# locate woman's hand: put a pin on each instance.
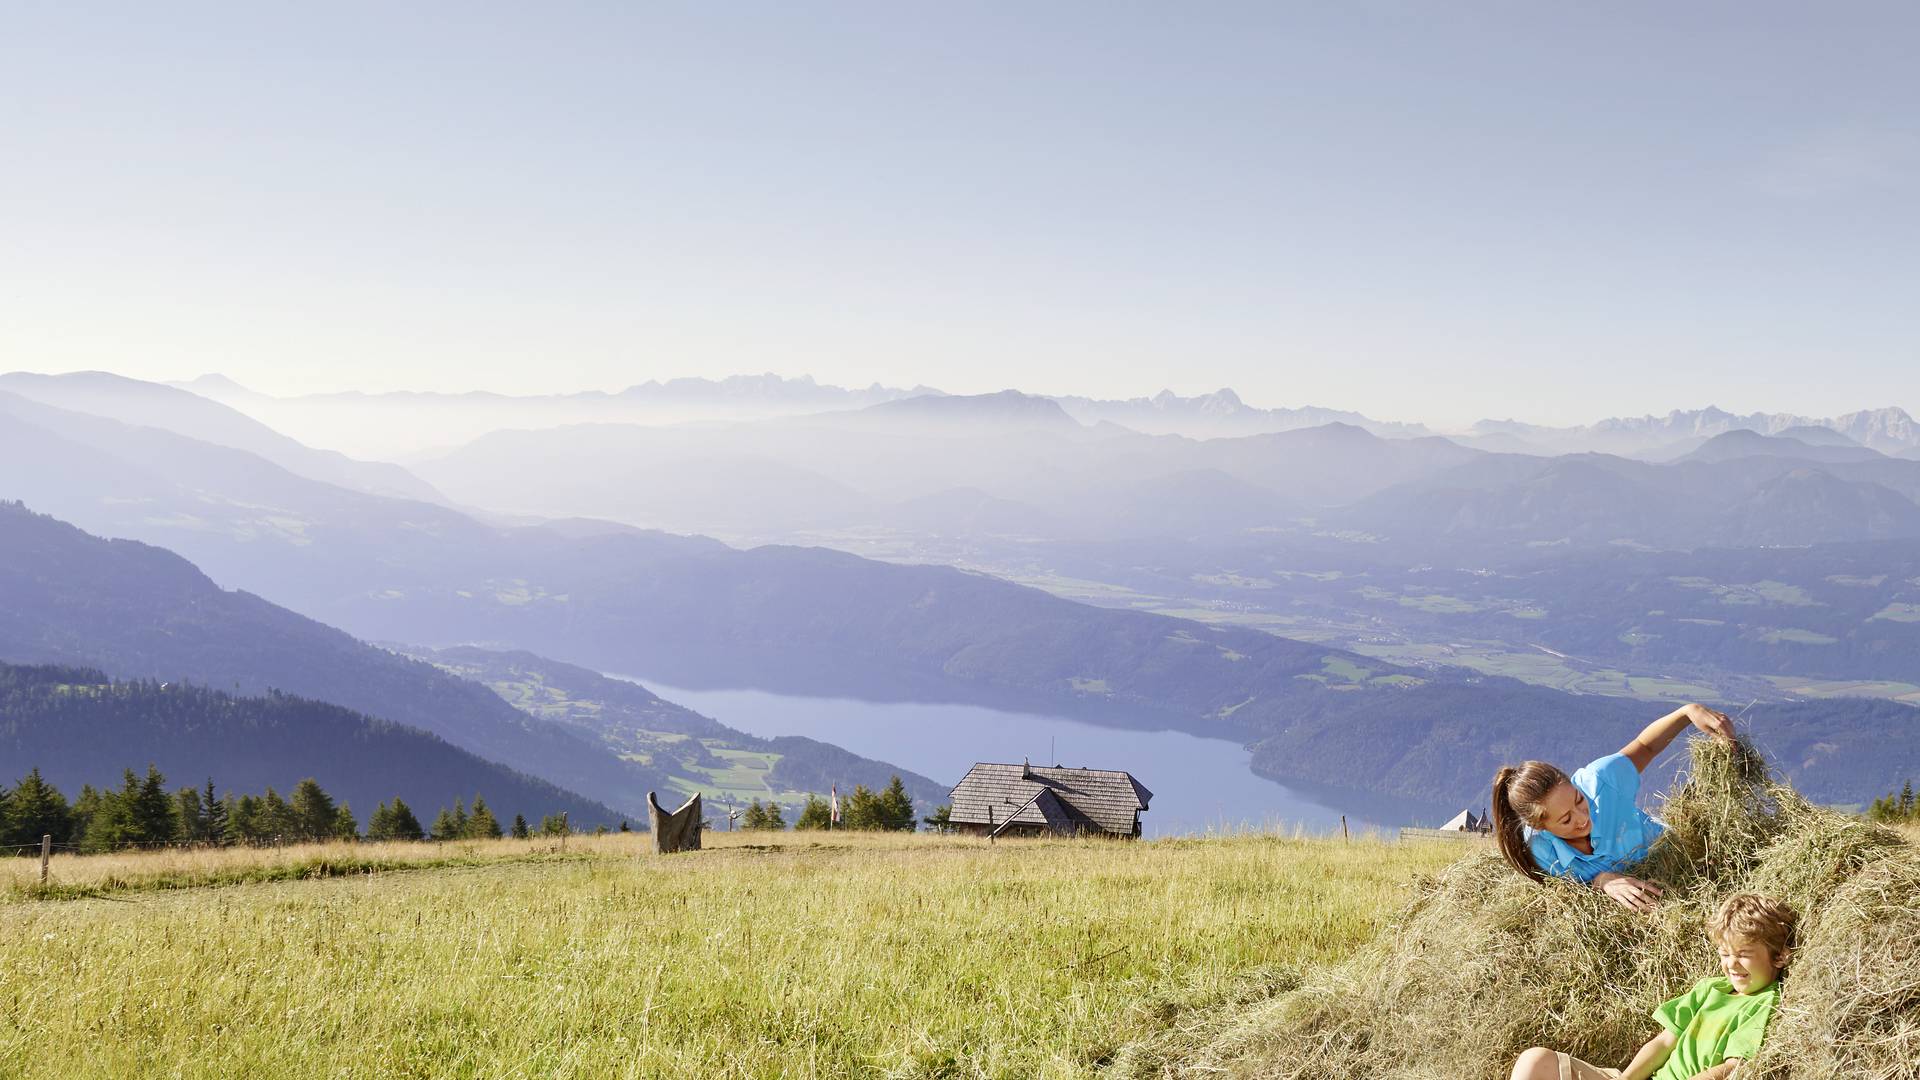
(1629, 892)
(1712, 721)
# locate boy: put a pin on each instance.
(1710, 1030)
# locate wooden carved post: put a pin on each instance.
(677, 830)
(46, 852)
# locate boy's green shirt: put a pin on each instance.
(1711, 1023)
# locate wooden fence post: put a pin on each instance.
(1343, 828)
(46, 853)
(564, 830)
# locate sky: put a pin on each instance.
(1428, 212)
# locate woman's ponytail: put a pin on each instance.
(1516, 803)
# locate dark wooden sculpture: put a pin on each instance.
(676, 830)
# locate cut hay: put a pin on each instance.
(1484, 963)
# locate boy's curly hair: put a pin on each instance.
(1752, 917)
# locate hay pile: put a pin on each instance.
(1485, 964)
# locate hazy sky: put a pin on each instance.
(1424, 211)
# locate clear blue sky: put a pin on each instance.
(1423, 211)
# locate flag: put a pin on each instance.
(834, 816)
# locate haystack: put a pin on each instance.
(1485, 963)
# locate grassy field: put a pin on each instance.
(779, 955)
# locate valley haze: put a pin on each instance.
(1376, 611)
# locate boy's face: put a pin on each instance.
(1749, 965)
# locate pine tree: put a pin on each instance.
(314, 815)
(155, 813)
(624, 827)
(344, 826)
(816, 814)
(554, 825)
(190, 816)
(776, 820)
(520, 827)
(276, 818)
(402, 824)
(215, 810)
(1907, 807)
(82, 813)
(895, 807)
(35, 809)
(248, 820)
(862, 810)
(756, 816)
(380, 822)
(481, 824)
(111, 823)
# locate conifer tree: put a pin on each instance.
(215, 810)
(862, 810)
(816, 814)
(624, 827)
(82, 812)
(481, 824)
(344, 826)
(520, 827)
(276, 818)
(36, 808)
(775, 819)
(188, 814)
(756, 816)
(155, 814)
(312, 810)
(380, 822)
(402, 825)
(895, 809)
(112, 825)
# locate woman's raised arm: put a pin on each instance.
(1660, 734)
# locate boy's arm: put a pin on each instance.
(1720, 1071)
(1651, 1057)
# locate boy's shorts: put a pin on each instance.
(1572, 1068)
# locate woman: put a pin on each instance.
(1587, 826)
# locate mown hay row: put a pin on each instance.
(1484, 963)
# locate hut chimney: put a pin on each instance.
(1026, 769)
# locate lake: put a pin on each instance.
(1199, 785)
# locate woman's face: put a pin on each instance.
(1564, 813)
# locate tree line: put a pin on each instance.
(1896, 806)
(143, 812)
(887, 810)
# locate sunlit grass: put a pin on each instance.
(766, 955)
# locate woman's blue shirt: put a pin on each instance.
(1622, 831)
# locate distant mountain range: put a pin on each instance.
(1220, 414)
(148, 404)
(1739, 489)
(1888, 430)
(694, 612)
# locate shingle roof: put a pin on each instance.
(1103, 798)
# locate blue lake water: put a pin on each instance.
(1198, 784)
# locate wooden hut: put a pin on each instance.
(1028, 800)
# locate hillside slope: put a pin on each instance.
(139, 612)
(78, 727)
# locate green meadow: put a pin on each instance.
(766, 955)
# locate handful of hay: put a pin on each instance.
(1486, 963)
